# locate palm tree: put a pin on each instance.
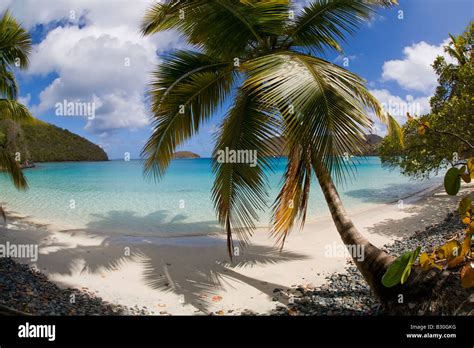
(15, 46)
(265, 57)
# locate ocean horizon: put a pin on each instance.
(115, 198)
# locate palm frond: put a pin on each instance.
(12, 110)
(10, 167)
(185, 91)
(8, 84)
(210, 23)
(240, 189)
(292, 201)
(326, 23)
(326, 99)
(15, 42)
(324, 109)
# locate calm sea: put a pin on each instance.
(115, 198)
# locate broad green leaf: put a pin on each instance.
(398, 268)
(407, 271)
(452, 181)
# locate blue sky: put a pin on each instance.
(82, 46)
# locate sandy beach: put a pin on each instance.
(193, 275)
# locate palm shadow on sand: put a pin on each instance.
(388, 194)
(419, 216)
(194, 268)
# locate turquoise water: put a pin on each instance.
(114, 197)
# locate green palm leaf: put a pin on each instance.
(326, 23)
(317, 94)
(325, 110)
(209, 24)
(186, 90)
(240, 190)
(8, 84)
(12, 110)
(15, 46)
(15, 42)
(11, 168)
(319, 108)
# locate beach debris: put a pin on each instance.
(216, 298)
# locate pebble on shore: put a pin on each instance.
(27, 290)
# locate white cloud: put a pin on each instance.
(398, 107)
(107, 13)
(25, 100)
(414, 72)
(107, 61)
(92, 62)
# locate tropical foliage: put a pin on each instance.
(443, 138)
(453, 253)
(263, 55)
(452, 112)
(15, 46)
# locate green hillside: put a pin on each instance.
(43, 142)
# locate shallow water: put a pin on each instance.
(115, 198)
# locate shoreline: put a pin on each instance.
(173, 276)
(55, 226)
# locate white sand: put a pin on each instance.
(193, 275)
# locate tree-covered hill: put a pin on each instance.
(44, 142)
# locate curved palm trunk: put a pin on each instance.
(375, 261)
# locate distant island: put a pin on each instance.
(185, 155)
(373, 143)
(44, 142)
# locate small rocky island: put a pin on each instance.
(185, 155)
